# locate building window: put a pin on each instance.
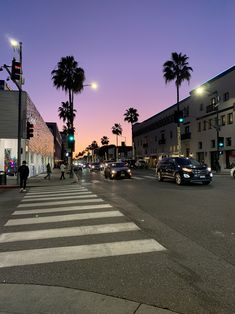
(228, 141)
(223, 120)
(199, 145)
(210, 124)
(171, 134)
(201, 107)
(186, 130)
(199, 126)
(226, 96)
(230, 118)
(204, 125)
(212, 143)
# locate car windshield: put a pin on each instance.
(118, 164)
(187, 162)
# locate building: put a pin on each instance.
(38, 150)
(207, 130)
(58, 152)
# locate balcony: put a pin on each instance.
(162, 141)
(186, 136)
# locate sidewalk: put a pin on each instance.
(28, 298)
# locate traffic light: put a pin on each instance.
(30, 129)
(178, 117)
(15, 70)
(71, 139)
(221, 142)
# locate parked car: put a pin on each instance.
(95, 166)
(141, 164)
(183, 170)
(117, 170)
(232, 172)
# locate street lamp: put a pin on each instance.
(18, 46)
(200, 91)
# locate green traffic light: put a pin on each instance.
(181, 120)
(71, 138)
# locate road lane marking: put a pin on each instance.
(64, 197)
(55, 191)
(149, 177)
(62, 202)
(67, 232)
(56, 194)
(60, 209)
(137, 178)
(71, 253)
(61, 218)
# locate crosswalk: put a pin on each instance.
(65, 214)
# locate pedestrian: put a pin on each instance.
(48, 172)
(62, 169)
(24, 173)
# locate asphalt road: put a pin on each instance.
(184, 260)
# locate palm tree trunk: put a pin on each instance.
(116, 147)
(133, 145)
(178, 124)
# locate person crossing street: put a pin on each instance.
(62, 169)
(24, 173)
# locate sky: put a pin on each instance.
(122, 45)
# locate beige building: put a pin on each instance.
(209, 117)
(38, 150)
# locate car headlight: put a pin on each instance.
(208, 169)
(187, 170)
(113, 171)
(129, 170)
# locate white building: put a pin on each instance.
(207, 118)
(38, 150)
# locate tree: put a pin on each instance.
(178, 70)
(70, 78)
(117, 130)
(131, 116)
(104, 140)
(65, 114)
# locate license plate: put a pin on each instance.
(122, 174)
(202, 177)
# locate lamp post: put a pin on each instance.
(18, 45)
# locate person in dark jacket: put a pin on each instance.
(24, 173)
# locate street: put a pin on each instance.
(139, 239)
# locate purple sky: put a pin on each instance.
(122, 45)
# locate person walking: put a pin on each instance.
(48, 172)
(62, 169)
(24, 173)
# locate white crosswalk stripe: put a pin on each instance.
(42, 207)
(58, 197)
(60, 209)
(70, 253)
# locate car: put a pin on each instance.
(183, 170)
(117, 170)
(232, 172)
(141, 164)
(95, 166)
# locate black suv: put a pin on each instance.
(183, 170)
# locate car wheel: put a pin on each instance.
(178, 179)
(206, 182)
(233, 174)
(159, 176)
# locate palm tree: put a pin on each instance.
(104, 140)
(70, 78)
(131, 116)
(117, 130)
(178, 70)
(65, 114)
